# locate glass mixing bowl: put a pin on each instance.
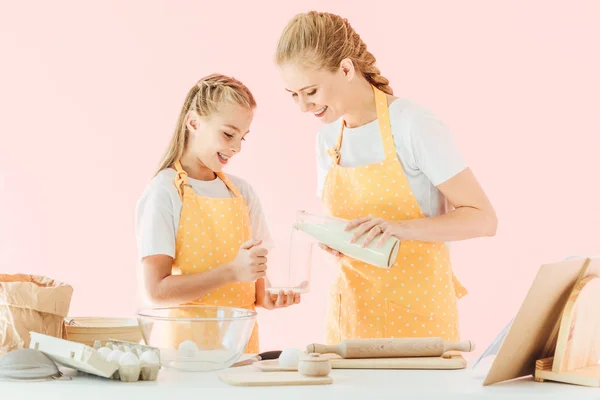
(197, 338)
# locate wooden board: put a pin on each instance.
(535, 322)
(578, 343)
(454, 362)
(249, 378)
(588, 376)
(553, 337)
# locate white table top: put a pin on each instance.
(352, 384)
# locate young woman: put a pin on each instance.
(392, 168)
(200, 231)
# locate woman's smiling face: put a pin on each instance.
(317, 91)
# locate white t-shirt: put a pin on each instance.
(159, 208)
(424, 145)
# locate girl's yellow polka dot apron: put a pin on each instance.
(210, 233)
(417, 296)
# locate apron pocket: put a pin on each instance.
(402, 321)
(368, 326)
(346, 321)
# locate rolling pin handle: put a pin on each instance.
(320, 348)
(465, 346)
(471, 346)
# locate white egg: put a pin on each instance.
(104, 352)
(289, 358)
(129, 360)
(187, 348)
(114, 356)
(149, 357)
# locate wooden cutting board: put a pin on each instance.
(453, 362)
(534, 332)
(578, 342)
(259, 378)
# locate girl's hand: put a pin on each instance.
(376, 227)
(250, 263)
(271, 301)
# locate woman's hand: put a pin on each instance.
(373, 227)
(473, 216)
(331, 251)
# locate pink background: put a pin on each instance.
(90, 91)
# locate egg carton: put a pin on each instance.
(88, 360)
(132, 373)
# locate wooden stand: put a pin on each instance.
(556, 333)
(577, 350)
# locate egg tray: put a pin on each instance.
(88, 361)
(131, 374)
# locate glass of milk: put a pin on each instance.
(289, 263)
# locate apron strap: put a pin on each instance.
(334, 152)
(181, 179)
(182, 183)
(385, 128)
(229, 185)
(383, 116)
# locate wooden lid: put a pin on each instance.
(313, 357)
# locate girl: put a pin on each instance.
(199, 231)
(392, 168)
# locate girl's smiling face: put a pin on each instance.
(216, 138)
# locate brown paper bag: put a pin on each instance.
(30, 303)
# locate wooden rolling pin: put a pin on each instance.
(390, 348)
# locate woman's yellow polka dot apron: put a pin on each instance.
(210, 233)
(417, 296)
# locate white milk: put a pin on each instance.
(333, 234)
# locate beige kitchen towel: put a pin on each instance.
(31, 303)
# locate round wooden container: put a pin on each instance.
(314, 364)
(87, 330)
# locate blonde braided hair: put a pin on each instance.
(205, 98)
(323, 40)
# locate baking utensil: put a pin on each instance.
(244, 378)
(87, 330)
(29, 365)
(536, 325)
(577, 351)
(422, 363)
(198, 338)
(268, 355)
(386, 348)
